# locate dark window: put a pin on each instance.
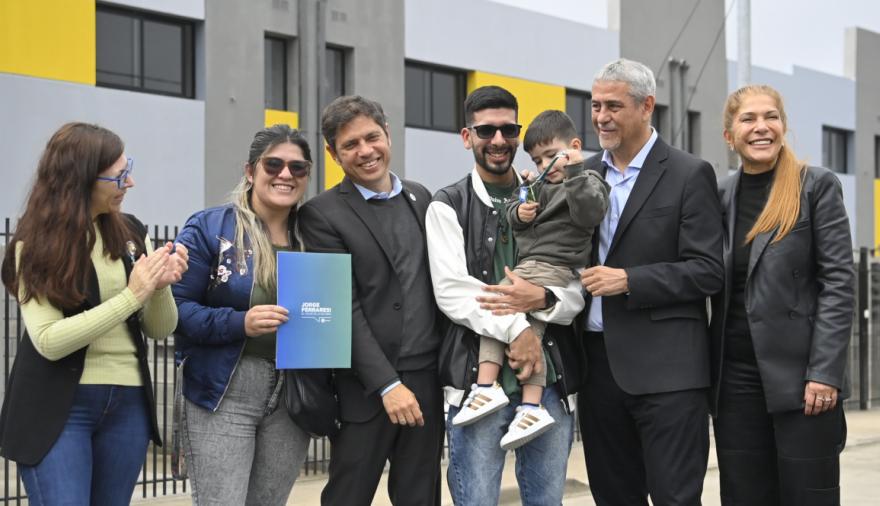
(434, 97)
(693, 134)
(835, 147)
(877, 157)
(659, 120)
(334, 75)
(579, 108)
(144, 52)
(275, 73)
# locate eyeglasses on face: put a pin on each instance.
(120, 179)
(298, 168)
(508, 131)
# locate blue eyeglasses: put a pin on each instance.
(120, 179)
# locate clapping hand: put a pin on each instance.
(178, 260)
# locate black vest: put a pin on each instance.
(40, 392)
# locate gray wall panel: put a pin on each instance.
(234, 34)
(867, 111)
(436, 159)
(164, 135)
(490, 37)
(648, 34)
(850, 189)
(375, 32)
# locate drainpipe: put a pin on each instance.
(744, 43)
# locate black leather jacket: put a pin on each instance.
(799, 295)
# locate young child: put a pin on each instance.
(554, 238)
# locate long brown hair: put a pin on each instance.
(784, 202)
(56, 233)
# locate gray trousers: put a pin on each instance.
(248, 451)
(537, 273)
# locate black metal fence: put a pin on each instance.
(156, 479)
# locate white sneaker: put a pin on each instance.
(480, 403)
(528, 424)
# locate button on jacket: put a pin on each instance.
(799, 294)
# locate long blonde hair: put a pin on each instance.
(784, 202)
(250, 231)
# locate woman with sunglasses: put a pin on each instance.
(79, 411)
(240, 445)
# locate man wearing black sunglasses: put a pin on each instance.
(470, 247)
(378, 219)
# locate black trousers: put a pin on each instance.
(360, 450)
(772, 459)
(636, 445)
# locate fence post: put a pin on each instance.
(864, 316)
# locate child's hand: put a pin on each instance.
(527, 211)
(574, 156)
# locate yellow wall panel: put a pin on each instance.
(274, 117)
(332, 171)
(533, 97)
(53, 39)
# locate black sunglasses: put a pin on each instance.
(508, 131)
(298, 168)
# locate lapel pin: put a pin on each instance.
(131, 249)
(412, 197)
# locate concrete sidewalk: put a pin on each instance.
(860, 474)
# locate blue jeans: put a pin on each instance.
(476, 459)
(99, 453)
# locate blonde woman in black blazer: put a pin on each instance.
(782, 325)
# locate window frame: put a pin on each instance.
(344, 53)
(661, 121)
(877, 156)
(589, 133)
(460, 78)
(694, 141)
(828, 134)
(285, 71)
(188, 74)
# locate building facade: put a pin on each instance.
(186, 83)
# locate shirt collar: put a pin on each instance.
(368, 194)
(640, 157)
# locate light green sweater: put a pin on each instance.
(110, 358)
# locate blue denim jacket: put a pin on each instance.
(212, 299)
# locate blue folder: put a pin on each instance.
(316, 289)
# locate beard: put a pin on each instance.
(495, 168)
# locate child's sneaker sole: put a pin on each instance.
(516, 443)
(479, 416)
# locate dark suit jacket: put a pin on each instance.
(668, 240)
(799, 294)
(341, 221)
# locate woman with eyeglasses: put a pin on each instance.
(79, 411)
(240, 445)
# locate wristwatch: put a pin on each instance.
(550, 299)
